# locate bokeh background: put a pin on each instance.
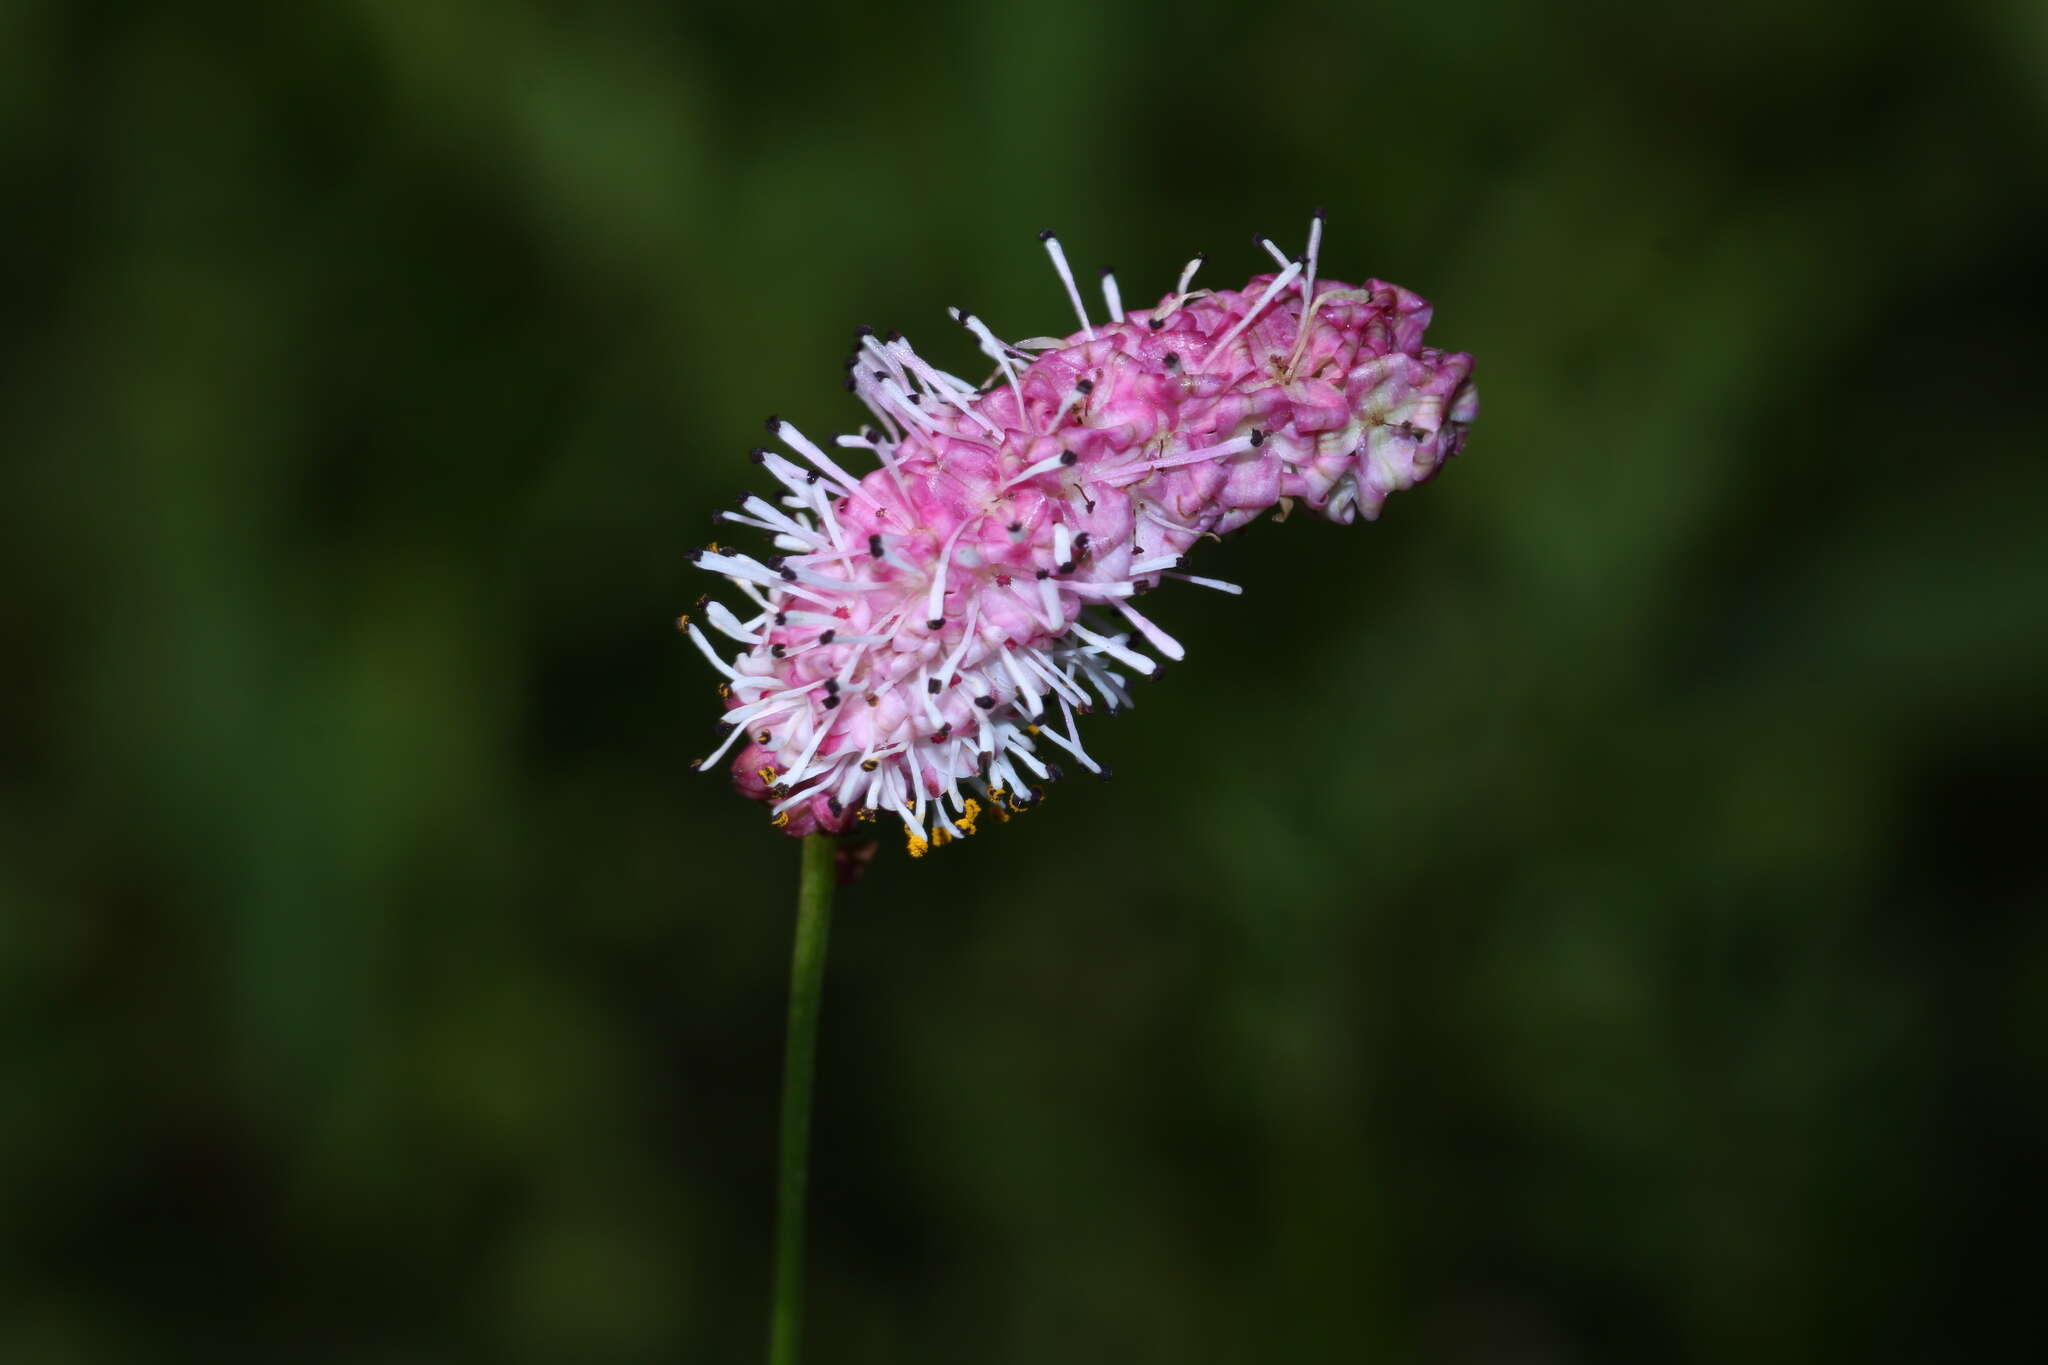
(1592, 914)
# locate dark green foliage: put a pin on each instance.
(1618, 938)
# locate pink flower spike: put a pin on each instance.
(907, 648)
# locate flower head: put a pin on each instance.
(928, 632)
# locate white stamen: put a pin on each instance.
(796, 441)
(1111, 298)
(952, 663)
(806, 794)
(1020, 749)
(994, 350)
(1024, 686)
(1049, 600)
(704, 646)
(1044, 466)
(1111, 588)
(1308, 288)
(1131, 473)
(801, 769)
(1115, 649)
(1280, 282)
(1154, 636)
(946, 387)
(934, 606)
(1059, 264)
(726, 624)
(1071, 741)
(1216, 583)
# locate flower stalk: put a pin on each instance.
(806, 984)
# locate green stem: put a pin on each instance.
(806, 983)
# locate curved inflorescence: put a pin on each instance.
(931, 628)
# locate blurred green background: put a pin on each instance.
(1590, 915)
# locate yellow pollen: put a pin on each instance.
(969, 815)
(916, 846)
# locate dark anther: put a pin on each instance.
(984, 702)
(1067, 567)
(875, 546)
(1068, 457)
(851, 384)
(943, 733)
(1106, 773)
(812, 476)
(781, 618)
(879, 375)
(774, 425)
(1085, 385)
(788, 574)
(1045, 573)
(1081, 544)
(832, 703)
(761, 737)
(1155, 323)
(1107, 271)
(1015, 527)
(831, 687)
(832, 804)
(894, 335)
(1258, 438)
(936, 623)
(1172, 360)
(778, 650)
(863, 330)
(1320, 213)
(757, 455)
(932, 686)
(827, 637)
(1045, 236)
(1055, 773)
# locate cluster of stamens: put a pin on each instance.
(931, 629)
